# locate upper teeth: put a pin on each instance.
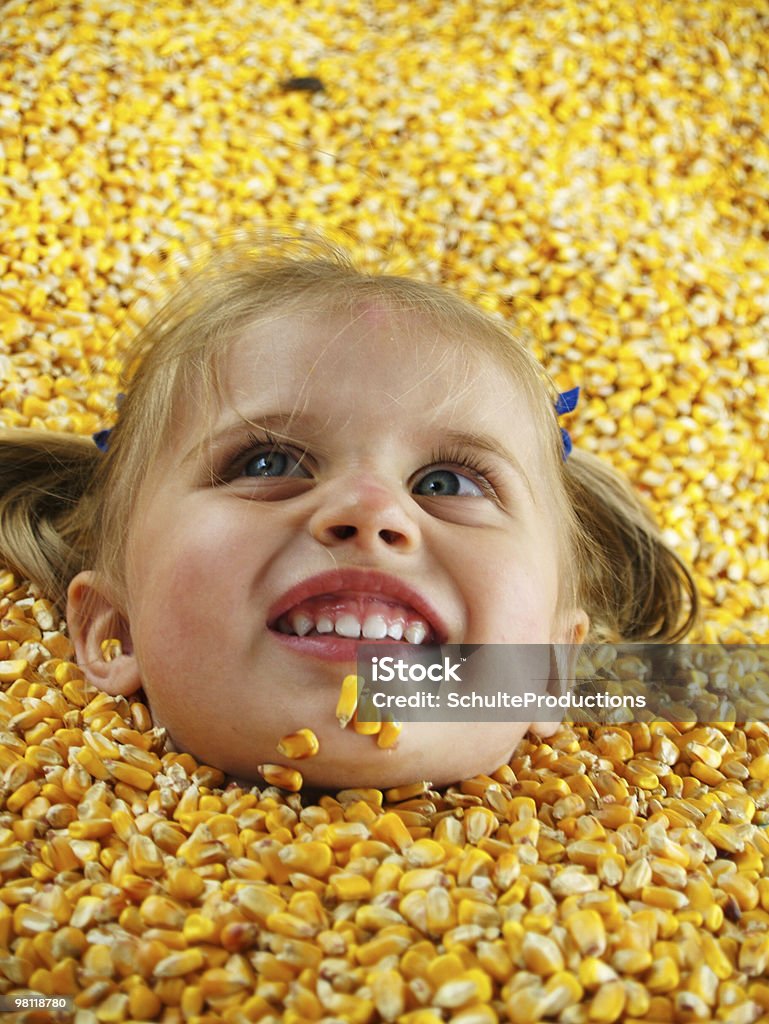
(373, 627)
(302, 624)
(416, 633)
(347, 625)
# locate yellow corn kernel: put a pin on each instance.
(740, 887)
(758, 991)
(23, 795)
(527, 1005)
(440, 912)
(386, 878)
(137, 755)
(92, 828)
(659, 896)
(307, 905)
(443, 968)
(349, 887)
(373, 797)
(368, 728)
(389, 735)
(200, 928)
(399, 794)
(758, 768)
(348, 700)
(467, 988)
(176, 965)
(311, 858)
(480, 823)
(299, 745)
(594, 973)
(390, 829)
(342, 835)
(111, 649)
(541, 954)
(388, 992)
(475, 863)
(11, 670)
(663, 975)
(92, 763)
(138, 778)
(588, 932)
(259, 901)
(753, 956)
(140, 717)
(145, 857)
(281, 776)
(421, 1017)
(562, 990)
(607, 1004)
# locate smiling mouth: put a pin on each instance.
(355, 617)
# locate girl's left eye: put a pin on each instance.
(273, 462)
(442, 483)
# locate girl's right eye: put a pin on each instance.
(263, 458)
(273, 462)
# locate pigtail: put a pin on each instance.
(635, 587)
(44, 527)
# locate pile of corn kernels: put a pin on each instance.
(600, 172)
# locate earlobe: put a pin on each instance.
(557, 685)
(92, 617)
(580, 627)
(563, 663)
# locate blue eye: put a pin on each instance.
(442, 483)
(273, 463)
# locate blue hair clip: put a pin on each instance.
(101, 439)
(566, 402)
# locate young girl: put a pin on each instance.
(308, 458)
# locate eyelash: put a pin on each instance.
(458, 456)
(452, 456)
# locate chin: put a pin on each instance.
(359, 763)
(438, 753)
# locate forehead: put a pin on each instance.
(390, 362)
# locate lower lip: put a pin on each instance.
(330, 647)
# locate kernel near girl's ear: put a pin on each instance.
(100, 636)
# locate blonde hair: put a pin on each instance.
(65, 506)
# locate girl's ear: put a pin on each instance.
(92, 617)
(563, 664)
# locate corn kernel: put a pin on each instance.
(278, 775)
(298, 745)
(348, 700)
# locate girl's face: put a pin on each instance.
(405, 494)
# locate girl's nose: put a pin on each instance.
(365, 514)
